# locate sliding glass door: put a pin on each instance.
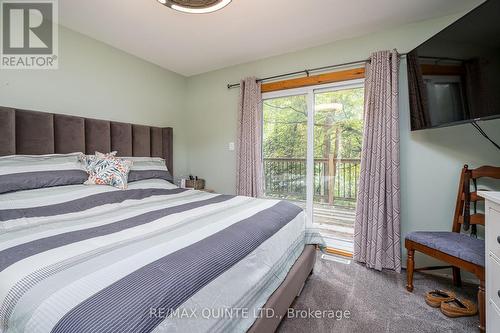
(285, 147)
(311, 153)
(338, 134)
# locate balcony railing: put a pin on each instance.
(335, 180)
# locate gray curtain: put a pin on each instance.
(249, 140)
(377, 226)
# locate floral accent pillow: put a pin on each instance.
(106, 169)
(89, 161)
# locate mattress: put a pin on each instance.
(152, 258)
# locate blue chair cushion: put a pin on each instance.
(452, 243)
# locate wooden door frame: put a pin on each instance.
(315, 80)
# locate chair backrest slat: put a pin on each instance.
(465, 197)
(474, 219)
(474, 197)
(485, 171)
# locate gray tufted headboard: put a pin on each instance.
(36, 133)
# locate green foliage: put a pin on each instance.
(285, 127)
(338, 126)
(338, 121)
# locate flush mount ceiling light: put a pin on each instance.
(195, 6)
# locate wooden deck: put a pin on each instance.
(335, 190)
(336, 222)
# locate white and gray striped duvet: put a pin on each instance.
(96, 259)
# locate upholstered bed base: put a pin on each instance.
(284, 296)
(25, 132)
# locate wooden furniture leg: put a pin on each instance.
(481, 301)
(410, 265)
(457, 280)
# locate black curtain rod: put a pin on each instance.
(305, 71)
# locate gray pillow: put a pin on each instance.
(148, 168)
(26, 172)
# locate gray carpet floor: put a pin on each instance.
(377, 302)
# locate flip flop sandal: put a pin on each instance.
(435, 297)
(458, 308)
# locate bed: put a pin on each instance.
(152, 258)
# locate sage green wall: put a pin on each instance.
(430, 159)
(99, 81)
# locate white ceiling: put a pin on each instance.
(244, 31)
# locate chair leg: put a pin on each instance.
(481, 301)
(457, 280)
(410, 265)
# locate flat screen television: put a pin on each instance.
(454, 77)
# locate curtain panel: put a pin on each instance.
(377, 224)
(249, 140)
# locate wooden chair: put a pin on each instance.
(459, 250)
